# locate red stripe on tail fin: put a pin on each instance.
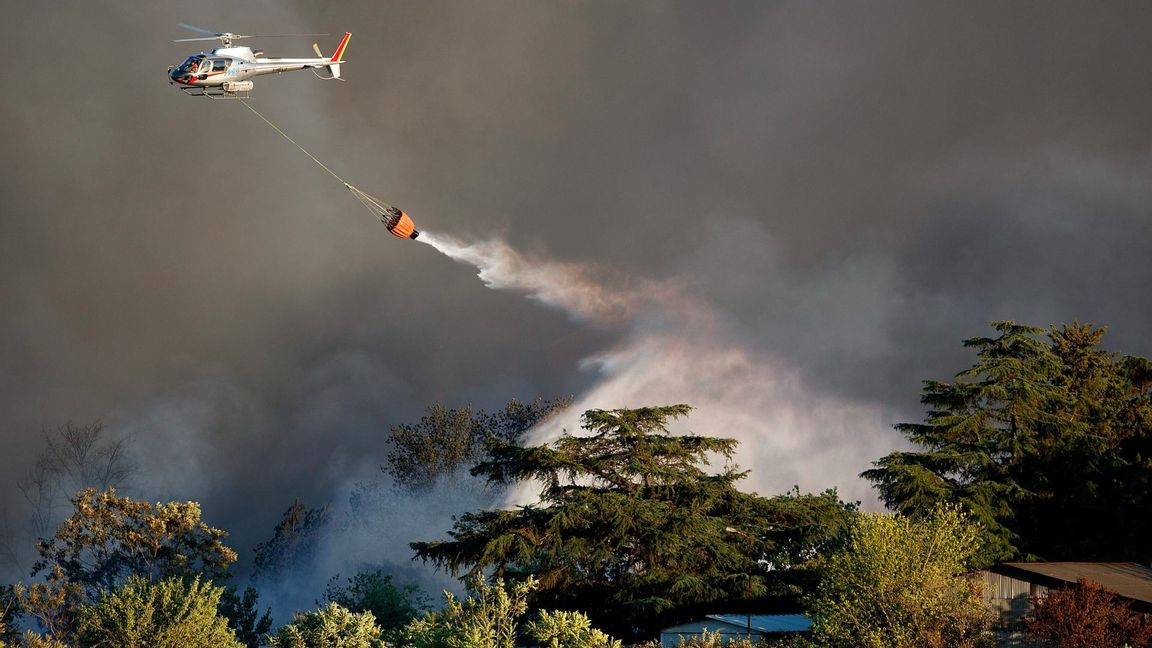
(340, 48)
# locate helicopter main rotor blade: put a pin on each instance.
(198, 29)
(188, 40)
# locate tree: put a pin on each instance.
(330, 627)
(172, 613)
(630, 529)
(293, 541)
(244, 616)
(445, 440)
(74, 457)
(12, 599)
(110, 538)
(372, 591)
(898, 583)
(1045, 442)
(1085, 616)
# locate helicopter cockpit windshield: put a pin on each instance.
(186, 72)
(189, 66)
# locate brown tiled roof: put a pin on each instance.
(1130, 580)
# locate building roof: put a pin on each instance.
(761, 623)
(1129, 580)
(768, 622)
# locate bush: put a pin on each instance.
(898, 583)
(333, 626)
(568, 630)
(173, 613)
(372, 591)
(1085, 616)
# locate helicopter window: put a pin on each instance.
(219, 65)
(189, 65)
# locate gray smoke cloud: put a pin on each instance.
(846, 190)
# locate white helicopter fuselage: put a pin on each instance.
(232, 68)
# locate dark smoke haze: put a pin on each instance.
(804, 207)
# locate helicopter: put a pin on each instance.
(226, 72)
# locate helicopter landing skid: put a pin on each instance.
(214, 93)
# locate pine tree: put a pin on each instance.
(1044, 442)
(631, 529)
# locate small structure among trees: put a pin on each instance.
(1012, 590)
(728, 628)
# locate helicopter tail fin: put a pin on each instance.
(337, 57)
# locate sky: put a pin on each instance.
(789, 214)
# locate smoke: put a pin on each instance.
(679, 349)
(568, 287)
(822, 215)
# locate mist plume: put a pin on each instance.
(678, 349)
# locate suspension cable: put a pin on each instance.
(383, 210)
(322, 165)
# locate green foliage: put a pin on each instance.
(244, 616)
(487, 618)
(173, 613)
(447, 439)
(330, 627)
(293, 541)
(373, 591)
(1046, 441)
(631, 530)
(567, 630)
(110, 538)
(1085, 616)
(897, 583)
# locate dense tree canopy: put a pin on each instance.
(1046, 441)
(631, 529)
(446, 440)
(110, 538)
